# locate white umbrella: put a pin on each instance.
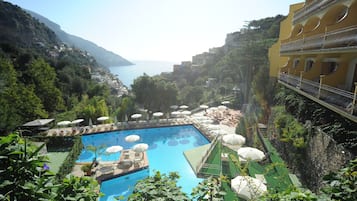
(90, 123)
(141, 147)
(63, 123)
(250, 153)
(225, 102)
(222, 107)
(247, 187)
(136, 116)
(233, 139)
(77, 121)
(186, 112)
(204, 106)
(103, 118)
(132, 138)
(176, 113)
(114, 149)
(174, 107)
(183, 107)
(157, 114)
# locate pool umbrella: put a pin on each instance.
(204, 106)
(114, 149)
(233, 139)
(63, 123)
(77, 121)
(186, 112)
(132, 138)
(158, 114)
(90, 123)
(250, 153)
(136, 116)
(222, 107)
(174, 107)
(103, 118)
(141, 147)
(175, 113)
(247, 187)
(183, 107)
(225, 102)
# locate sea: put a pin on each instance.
(127, 74)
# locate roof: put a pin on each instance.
(38, 122)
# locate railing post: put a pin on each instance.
(354, 98)
(287, 77)
(320, 86)
(300, 81)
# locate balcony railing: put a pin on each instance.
(311, 8)
(342, 100)
(344, 38)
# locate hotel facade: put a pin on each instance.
(316, 54)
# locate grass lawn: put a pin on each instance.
(56, 160)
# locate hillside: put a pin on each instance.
(41, 77)
(19, 28)
(103, 56)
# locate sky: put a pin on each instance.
(162, 30)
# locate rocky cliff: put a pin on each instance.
(321, 156)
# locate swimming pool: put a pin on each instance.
(165, 154)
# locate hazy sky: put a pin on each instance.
(167, 30)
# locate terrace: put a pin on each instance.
(338, 100)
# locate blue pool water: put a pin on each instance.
(165, 154)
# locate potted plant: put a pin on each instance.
(87, 169)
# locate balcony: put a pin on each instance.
(339, 40)
(338, 100)
(310, 9)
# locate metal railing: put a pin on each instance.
(342, 38)
(310, 9)
(341, 99)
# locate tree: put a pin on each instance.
(77, 188)
(18, 103)
(154, 93)
(158, 187)
(43, 78)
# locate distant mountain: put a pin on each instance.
(18, 28)
(103, 56)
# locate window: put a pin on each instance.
(296, 63)
(342, 15)
(308, 65)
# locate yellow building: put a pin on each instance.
(316, 53)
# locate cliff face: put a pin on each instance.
(321, 156)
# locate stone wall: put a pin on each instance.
(321, 156)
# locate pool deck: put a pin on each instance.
(129, 162)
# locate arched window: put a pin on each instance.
(309, 64)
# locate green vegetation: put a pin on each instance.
(25, 175)
(303, 109)
(158, 187)
(289, 128)
(71, 158)
(154, 94)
